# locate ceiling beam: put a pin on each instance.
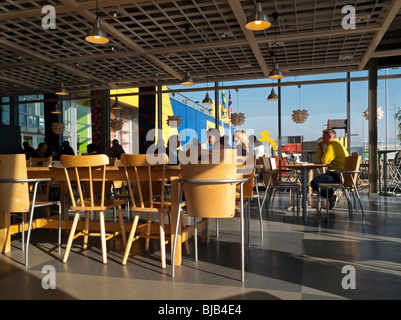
(391, 13)
(241, 18)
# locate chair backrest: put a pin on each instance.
(269, 164)
(211, 200)
(352, 163)
(14, 197)
(138, 172)
(89, 169)
(40, 162)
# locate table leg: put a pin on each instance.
(385, 173)
(5, 237)
(305, 193)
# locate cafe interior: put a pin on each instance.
(125, 227)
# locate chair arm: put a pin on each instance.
(347, 171)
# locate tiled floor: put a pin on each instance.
(294, 260)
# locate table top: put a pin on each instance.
(387, 151)
(306, 165)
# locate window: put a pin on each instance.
(5, 111)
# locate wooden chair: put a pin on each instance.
(84, 169)
(349, 177)
(142, 194)
(14, 194)
(272, 183)
(210, 192)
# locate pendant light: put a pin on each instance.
(258, 20)
(60, 89)
(97, 35)
(55, 109)
(187, 80)
(272, 96)
(116, 105)
(207, 99)
(276, 72)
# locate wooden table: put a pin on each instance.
(172, 173)
(305, 169)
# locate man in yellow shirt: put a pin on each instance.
(334, 156)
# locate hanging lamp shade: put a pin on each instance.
(258, 20)
(116, 105)
(187, 80)
(276, 73)
(55, 109)
(97, 35)
(61, 91)
(272, 96)
(207, 99)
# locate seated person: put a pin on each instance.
(28, 150)
(66, 149)
(173, 145)
(41, 151)
(116, 150)
(91, 148)
(334, 155)
(240, 143)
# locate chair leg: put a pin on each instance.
(130, 238)
(86, 231)
(148, 225)
(103, 236)
(71, 236)
(122, 228)
(176, 233)
(162, 240)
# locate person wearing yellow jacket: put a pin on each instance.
(334, 156)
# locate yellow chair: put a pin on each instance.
(210, 192)
(83, 169)
(14, 191)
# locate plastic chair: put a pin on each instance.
(348, 176)
(85, 169)
(210, 192)
(14, 191)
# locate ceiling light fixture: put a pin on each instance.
(55, 109)
(207, 99)
(116, 105)
(258, 20)
(276, 72)
(97, 35)
(61, 91)
(272, 96)
(187, 80)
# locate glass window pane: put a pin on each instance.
(22, 119)
(5, 117)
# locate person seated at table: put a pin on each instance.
(66, 149)
(41, 151)
(224, 144)
(240, 143)
(173, 145)
(28, 150)
(256, 146)
(213, 138)
(116, 150)
(334, 155)
(91, 148)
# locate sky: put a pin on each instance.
(322, 102)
